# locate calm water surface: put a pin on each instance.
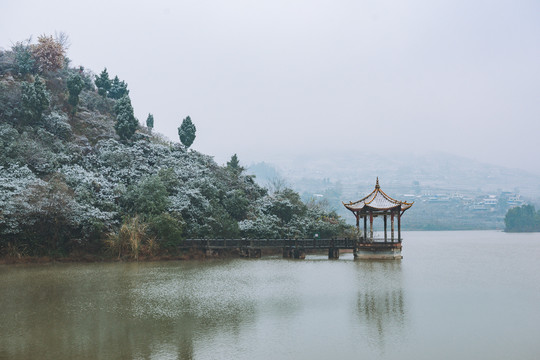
(455, 295)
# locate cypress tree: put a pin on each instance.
(234, 165)
(186, 132)
(126, 123)
(75, 84)
(150, 121)
(118, 89)
(103, 83)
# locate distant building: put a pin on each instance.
(514, 200)
(491, 200)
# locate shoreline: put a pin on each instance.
(93, 258)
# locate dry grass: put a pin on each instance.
(132, 240)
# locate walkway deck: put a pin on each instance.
(295, 248)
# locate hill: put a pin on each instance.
(78, 173)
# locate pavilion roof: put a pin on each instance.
(377, 200)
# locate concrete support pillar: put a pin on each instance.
(254, 253)
(299, 253)
(333, 253)
(294, 253)
(287, 253)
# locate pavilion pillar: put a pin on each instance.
(365, 227)
(399, 227)
(370, 226)
(385, 235)
(357, 221)
(392, 226)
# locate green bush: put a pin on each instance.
(168, 229)
(57, 124)
(148, 196)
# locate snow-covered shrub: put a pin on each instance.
(57, 124)
(14, 184)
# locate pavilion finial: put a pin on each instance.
(377, 184)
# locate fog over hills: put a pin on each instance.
(449, 191)
(435, 171)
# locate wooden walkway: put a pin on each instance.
(292, 248)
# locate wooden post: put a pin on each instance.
(399, 228)
(392, 221)
(370, 226)
(365, 228)
(357, 221)
(385, 235)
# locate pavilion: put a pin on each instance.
(376, 204)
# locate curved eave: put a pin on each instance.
(402, 206)
(406, 205)
(361, 200)
(368, 208)
(350, 207)
(373, 195)
(377, 197)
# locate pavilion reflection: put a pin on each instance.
(381, 308)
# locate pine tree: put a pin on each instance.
(234, 165)
(75, 84)
(150, 121)
(186, 132)
(24, 62)
(35, 100)
(103, 83)
(126, 123)
(118, 89)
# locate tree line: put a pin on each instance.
(523, 218)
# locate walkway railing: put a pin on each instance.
(338, 243)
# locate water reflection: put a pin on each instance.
(279, 309)
(117, 311)
(187, 310)
(380, 305)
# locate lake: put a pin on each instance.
(455, 295)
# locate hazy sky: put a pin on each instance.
(264, 77)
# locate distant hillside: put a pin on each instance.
(435, 170)
(450, 191)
